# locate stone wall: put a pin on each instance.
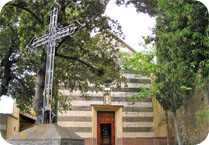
(186, 116)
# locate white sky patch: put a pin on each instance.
(134, 25)
(6, 105)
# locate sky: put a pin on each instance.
(134, 25)
(6, 105)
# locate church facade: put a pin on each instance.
(114, 118)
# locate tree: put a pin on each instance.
(182, 32)
(12, 64)
(185, 38)
(79, 60)
(181, 47)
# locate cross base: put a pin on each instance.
(48, 114)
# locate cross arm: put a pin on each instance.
(70, 30)
(36, 42)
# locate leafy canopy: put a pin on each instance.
(79, 60)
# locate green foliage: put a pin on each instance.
(181, 50)
(64, 103)
(141, 63)
(170, 84)
(144, 92)
(182, 35)
(181, 31)
(79, 60)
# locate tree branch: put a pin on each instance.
(75, 58)
(100, 72)
(27, 10)
(60, 43)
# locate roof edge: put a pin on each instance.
(122, 41)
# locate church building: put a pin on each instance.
(112, 117)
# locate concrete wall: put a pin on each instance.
(13, 123)
(9, 123)
(3, 125)
(160, 124)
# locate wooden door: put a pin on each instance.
(106, 128)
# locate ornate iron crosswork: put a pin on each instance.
(50, 39)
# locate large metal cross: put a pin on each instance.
(50, 39)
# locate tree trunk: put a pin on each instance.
(168, 137)
(207, 87)
(38, 99)
(176, 128)
(5, 79)
(6, 74)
